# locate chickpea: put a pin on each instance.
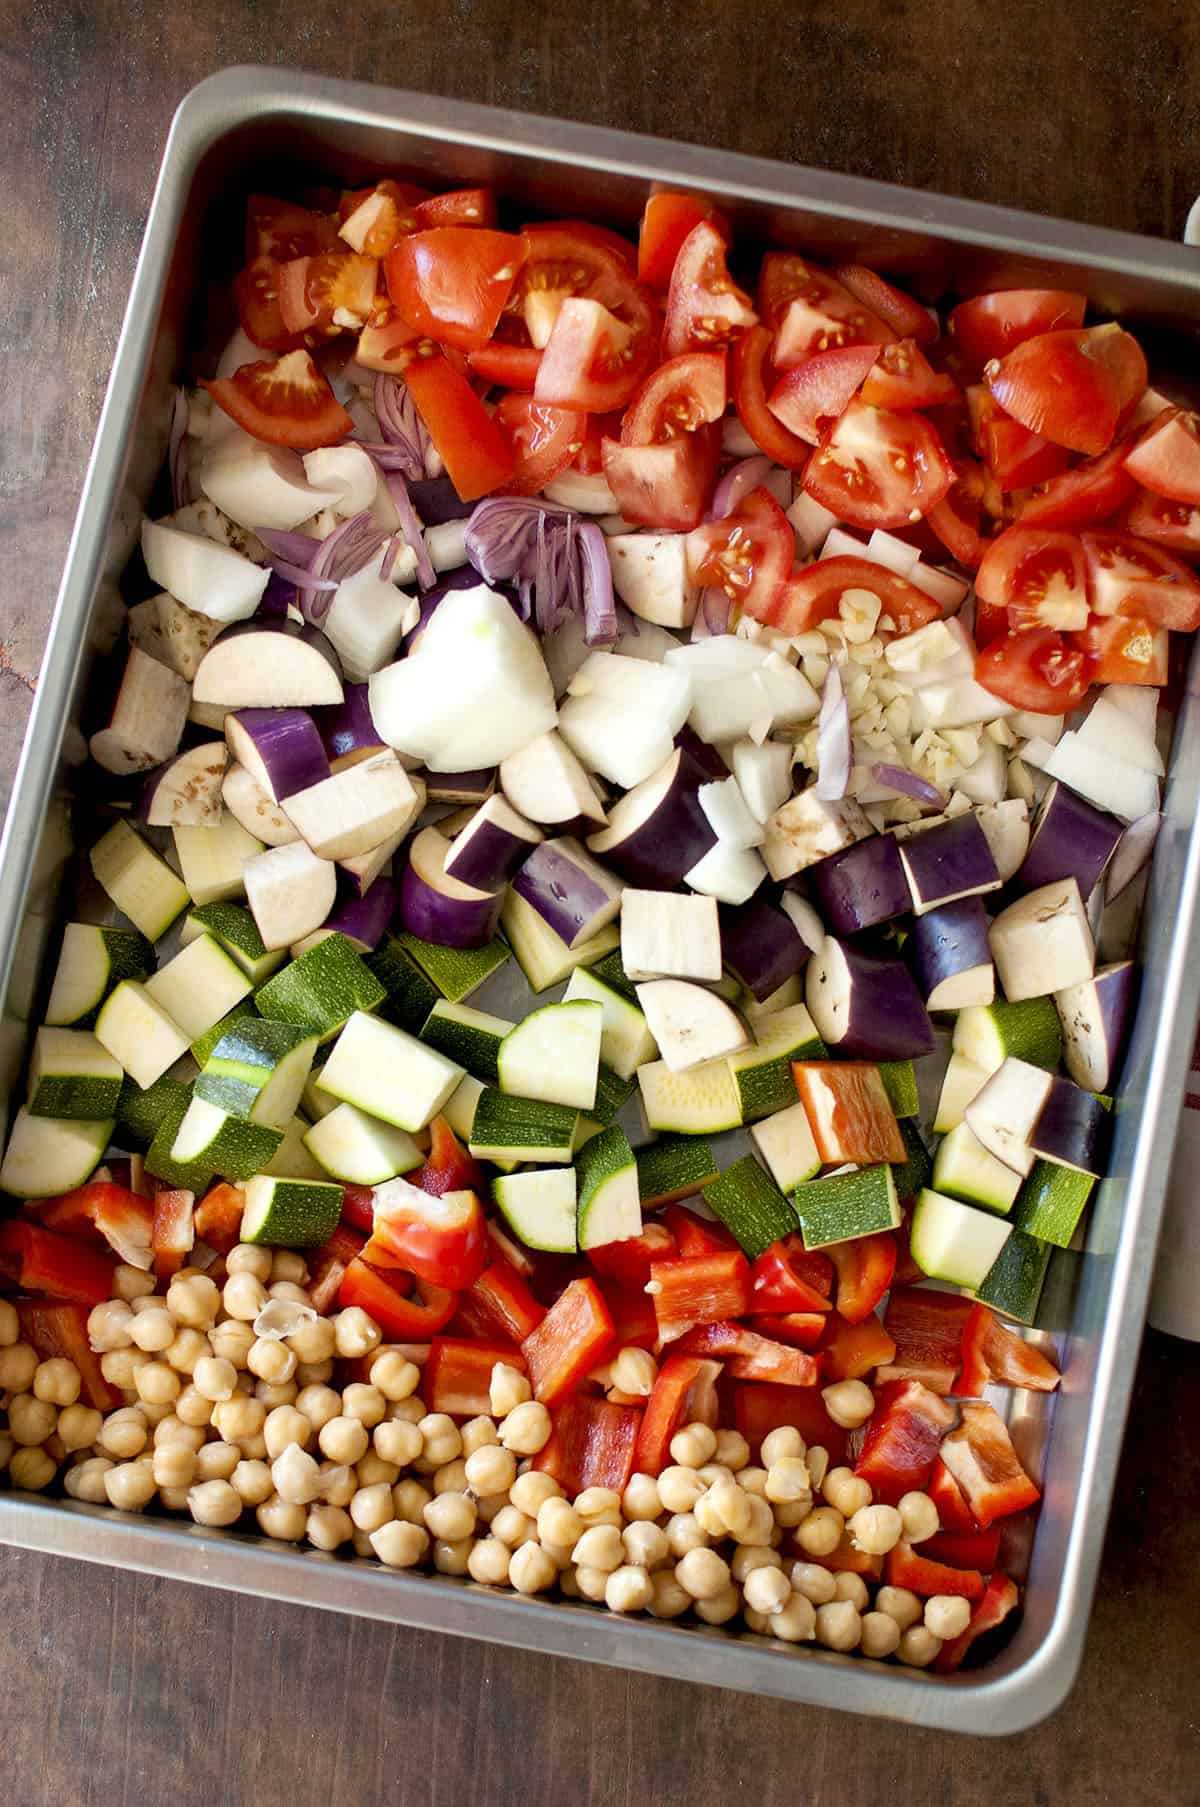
(557, 1522)
(408, 1411)
(839, 1626)
(488, 1562)
(718, 1609)
(282, 1519)
(86, 1482)
(712, 1472)
(187, 1348)
(478, 1433)
(251, 1481)
(232, 1341)
(634, 1371)
(286, 1426)
(844, 1490)
(191, 1408)
(354, 1333)
(289, 1264)
(31, 1420)
(314, 1341)
(669, 1600)
(373, 1469)
(193, 1301)
(286, 1292)
(130, 1486)
(796, 1622)
(531, 1570)
(947, 1616)
(788, 1481)
(767, 1590)
(599, 1506)
(328, 1527)
(249, 1258)
(243, 1296)
(781, 1444)
(645, 1545)
(490, 1469)
(848, 1586)
(509, 1388)
(531, 1489)
(154, 1414)
(760, 1524)
(10, 1325)
(640, 1498)
(56, 1381)
(703, 1573)
(131, 1283)
(395, 1376)
(409, 1500)
(526, 1430)
(450, 1517)
(107, 1328)
(217, 1461)
(238, 1419)
(748, 1557)
(399, 1443)
(753, 1480)
(600, 1547)
(399, 1545)
(733, 1450)
(174, 1430)
(849, 1403)
(876, 1529)
(679, 1488)
(900, 1604)
(18, 1365)
(173, 1465)
(79, 1426)
(918, 1647)
(918, 1517)
(440, 1439)
(452, 1557)
(513, 1527)
(685, 1533)
(271, 1361)
(487, 1505)
(317, 1405)
(314, 1374)
(818, 1466)
(451, 1477)
(694, 1445)
(821, 1532)
(296, 1476)
(338, 1483)
(372, 1507)
(628, 1589)
(344, 1440)
(158, 1384)
(215, 1378)
(153, 1329)
(880, 1635)
(591, 1583)
(32, 1469)
(123, 1435)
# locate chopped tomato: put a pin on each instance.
(759, 1408)
(592, 360)
(477, 456)
(788, 1277)
(573, 1337)
(903, 1435)
(906, 317)
(591, 1444)
(810, 310)
(1035, 669)
(256, 297)
(848, 1112)
(590, 456)
(906, 1567)
(457, 1377)
(954, 1514)
(288, 402)
(667, 220)
(803, 1329)
(990, 326)
(1128, 576)
(981, 1457)
(59, 1328)
(696, 1235)
(62, 1267)
(813, 594)
(282, 230)
(848, 1351)
(993, 1352)
(219, 1216)
(628, 1262)
(684, 393)
(957, 520)
(514, 366)
(752, 377)
(1088, 493)
(462, 207)
(440, 1238)
(452, 282)
(1166, 459)
(504, 1301)
(1125, 650)
(381, 217)
(748, 1355)
(748, 554)
(809, 396)
(1071, 387)
(684, 1392)
(903, 377)
(569, 258)
(405, 194)
(405, 1308)
(174, 1231)
(1002, 1598)
(1173, 524)
(927, 1328)
(1015, 457)
(386, 343)
(879, 469)
(667, 486)
(323, 296)
(447, 1167)
(704, 305)
(1038, 575)
(699, 1290)
(544, 440)
(865, 1266)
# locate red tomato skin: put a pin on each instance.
(704, 305)
(1175, 525)
(809, 310)
(990, 326)
(1035, 669)
(477, 456)
(682, 394)
(280, 229)
(1125, 650)
(463, 207)
(1038, 575)
(750, 382)
(666, 222)
(511, 366)
(812, 595)
(906, 317)
(899, 456)
(748, 554)
(256, 296)
(287, 403)
(1071, 387)
(904, 378)
(1088, 493)
(1166, 459)
(544, 439)
(668, 485)
(452, 282)
(812, 394)
(1128, 576)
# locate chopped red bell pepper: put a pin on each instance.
(507, 1248)
(903, 1434)
(696, 1235)
(71, 1214)
(442, 1237)
(628, 1262)
(685, 1392)
(174, 1232)
(749, 1356)
(358, 1207)
(447, 1167)
(592, 1444)
(760, 1408)
(1002, 1597)
(124, 1219)
(964, 1549)
(406, 1309)
(981, 1457)
(848, 1351)
(62, 1267)
(954, 1514)
(61, 1329)
(327, 1265)
(789, 1277)
(457, 1378)
(927, 1328)
(864, 1268)
(219, 1217)
(848, 1111)
(632, 1311)
(508, 1307)
(802, 1329)
(573, 1338)
(699, 1289)
(907, 1568)
(993, 1352)
(847, 1560)
(907, 1272)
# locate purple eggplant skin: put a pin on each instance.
(948, 941)
(1096, 1017)
(448, 921)
(436, 500)
(459, 787)
(488, 852)
(1071, 839)
(347, 727)
(866, 1006)
(567, 889)
(290, 746)
(668, 842)
(861, 886)
(946, 861)
(365, 920)
(760, 945)
(706, 757)
(1073, 1129)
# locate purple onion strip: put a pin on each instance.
(410, 527)
(907, 784)
(736, 484)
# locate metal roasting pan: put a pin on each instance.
(257, 128)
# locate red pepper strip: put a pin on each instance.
(993, 1352)
(573, 1337)
(700, 1289)
(61, 1329)
(458, 1374)
(358, 1207)
(906, 1568)
(219, 1217)
(802, 1329)
(780, 1282)
(124, 1219)
(447, 1167)
(508, 1306)
(964, 1549)
(927, 1328)
(848, 1351)
(507, 1248)
(628, 1262)
(1001, 1598)
(442, 1237)
(954, 1514)
(62, 1267)
(403, 1317)
(696, 1235)
(846, 1560)
(762, 1408)
(591, 1445)
(907, 1272)
(981, 1457)
(903, 1434)
(327, 1265)
(632, 1312)
(685, 1392)
(174, 1231)
(749, 1356)
(72, 1214)
(865, 1267)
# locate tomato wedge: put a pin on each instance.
(666, 221)
(1071, 387)
(904, 378)
(958, 518)
(544, 440)
(704, 305)
(1014, 456)
(906, 317)
(382, 217)
(1157, 518)
(666, 485)
(386, 344)
(1126, 651)
(513, 366)
(748, 554)
(461, 207)
(1128, 576)
(256, 297)
(592, 360)
(1166, 459)
(751, 378)
(990, 326)
(477, 455)
(879, 469)
(1035, 669)
(812, 595)
(282, 230)
(1038, 575)
(1088, 493)
(452, 282)
(810, 310)
(684, 393)
(288, 402)
(323, 296)
(809, 396)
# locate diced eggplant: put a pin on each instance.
(621, 715)
(808, 829)
(707, 757)
(668, 936)
(1071, 839)
(442, 909)
(1004, 1113)
(446, 544)
(213, 580)
(761, 946)
(650, 575)
(1095, 1017)
(1006, 828)
(950, 956)
(186, 789)
(805, 920)
(690, 1025)
(357, 808)
(147, 720)
(365, 920)
(280, 748)
(1132, 856)
(865, 1005)
(259, 485)
(1073, 1129)
(764, 775)
(658, 831)
(174, 635)
(1108, 782)
(1042, 943)
(365, 868)
(489, 849)
(862, 886)
(568, 889)
(290, 892)
(546, 783)
(462, 788)
(269, 665)
(585, 492)
(730, 874)
(947, 862)
(347, 729)
(249, 804)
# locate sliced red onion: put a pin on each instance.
(399, 421)
(599, 609)
(292, 556)
(712, 617)
(365, 920)
(177, 452)
(437, 501)
(410, 527)
(736, 484)
(545, 551)
(1137, 844)
(907, 784)
(834, 751)
(317, 567)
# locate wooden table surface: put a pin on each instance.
(115, 1688)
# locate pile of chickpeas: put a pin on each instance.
(231, 1408)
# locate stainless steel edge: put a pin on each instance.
(360, 126)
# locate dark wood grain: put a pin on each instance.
(119, 1689)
